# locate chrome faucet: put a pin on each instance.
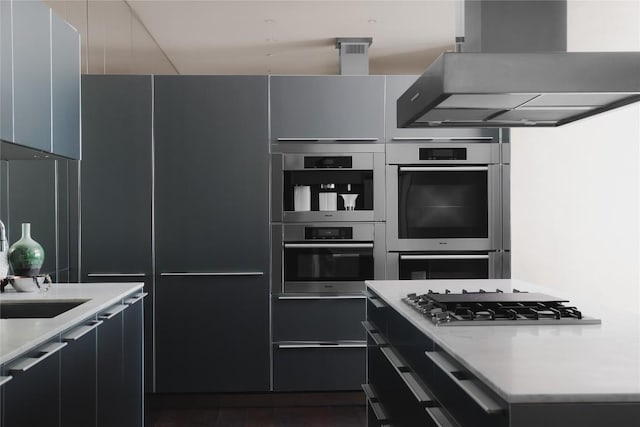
(4, 244)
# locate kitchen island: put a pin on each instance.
(520, 376)
(81, 364)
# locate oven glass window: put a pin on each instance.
(442, 204)
(444, 269)
(328, 264)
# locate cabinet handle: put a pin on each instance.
(459, 138)
(215, 273)
(112, 312)
(319, 297)
(426, 257)
(28, 363)
(4, 380)
(325, 139)
(136, 298)
(438, 417)
(373, 299)
(369, 392)
(329, 245)
(79, 332)
(408, 378)
(116, 275)
(482, 399)
(443, 168)
(377, 338)
(376, 406)
(323, 345)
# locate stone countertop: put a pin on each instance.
(533, 364)
(18, 336)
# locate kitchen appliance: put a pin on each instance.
(496, 308)
(320, 257)
(513, 70)
(443, 197)
(328, 170)
(444, 265)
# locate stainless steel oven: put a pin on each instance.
(327, 182)
(443, 197)
(335, 258)
(444, 265)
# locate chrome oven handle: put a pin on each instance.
(443, 168)
(329, 245)
(427, 257)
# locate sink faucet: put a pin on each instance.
(4, 244)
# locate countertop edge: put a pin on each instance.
(8, 358)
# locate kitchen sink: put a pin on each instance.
(36, 309)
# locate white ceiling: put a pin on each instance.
(266, 37)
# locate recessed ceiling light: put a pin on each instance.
(269, 20)
(269, 54)
(372, 21)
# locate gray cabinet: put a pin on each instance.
(65, 80)
(31, 74)
(212, 222)
(212, 334)
(78, 372)
(32, 397)
(133, 357)
(395, 86)
(116, 185)
(6, 78)
(327, 107)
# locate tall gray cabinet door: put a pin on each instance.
(31, 73)
(396, 85)
(116, 187)
(65, 77)
(6, 77)
(333, 107)
(212, 219)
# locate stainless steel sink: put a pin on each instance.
(36, 309)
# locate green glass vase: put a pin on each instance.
(26, 255)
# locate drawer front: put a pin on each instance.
(318, 319)
(300, 368)
(465, 397)
(410, 342)
(377, 311)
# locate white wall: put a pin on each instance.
(575, 190)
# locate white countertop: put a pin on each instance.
(18, 336)
(527, 364)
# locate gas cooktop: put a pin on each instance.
(496, 308)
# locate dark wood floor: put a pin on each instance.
(269, 410)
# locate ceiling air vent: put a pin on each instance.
(354, 55)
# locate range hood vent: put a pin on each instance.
(518, 78)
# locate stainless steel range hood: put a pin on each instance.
(487, 85)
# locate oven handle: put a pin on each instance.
(443, 168)
(426, 257)
(329, 245)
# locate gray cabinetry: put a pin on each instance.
(6, 77)
(32, 397)
(31, 74)
(65, 80)
(395, 86)
(327, 107)
(116, 176)
(78, 372)
(212, 223)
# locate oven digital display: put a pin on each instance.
(312, 233)
(443, 154)
(313, 162)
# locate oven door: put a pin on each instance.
(444, 265)
(447, 207)
(327, 267)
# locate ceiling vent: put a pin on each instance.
(354, 55)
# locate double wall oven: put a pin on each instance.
(443, 210)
